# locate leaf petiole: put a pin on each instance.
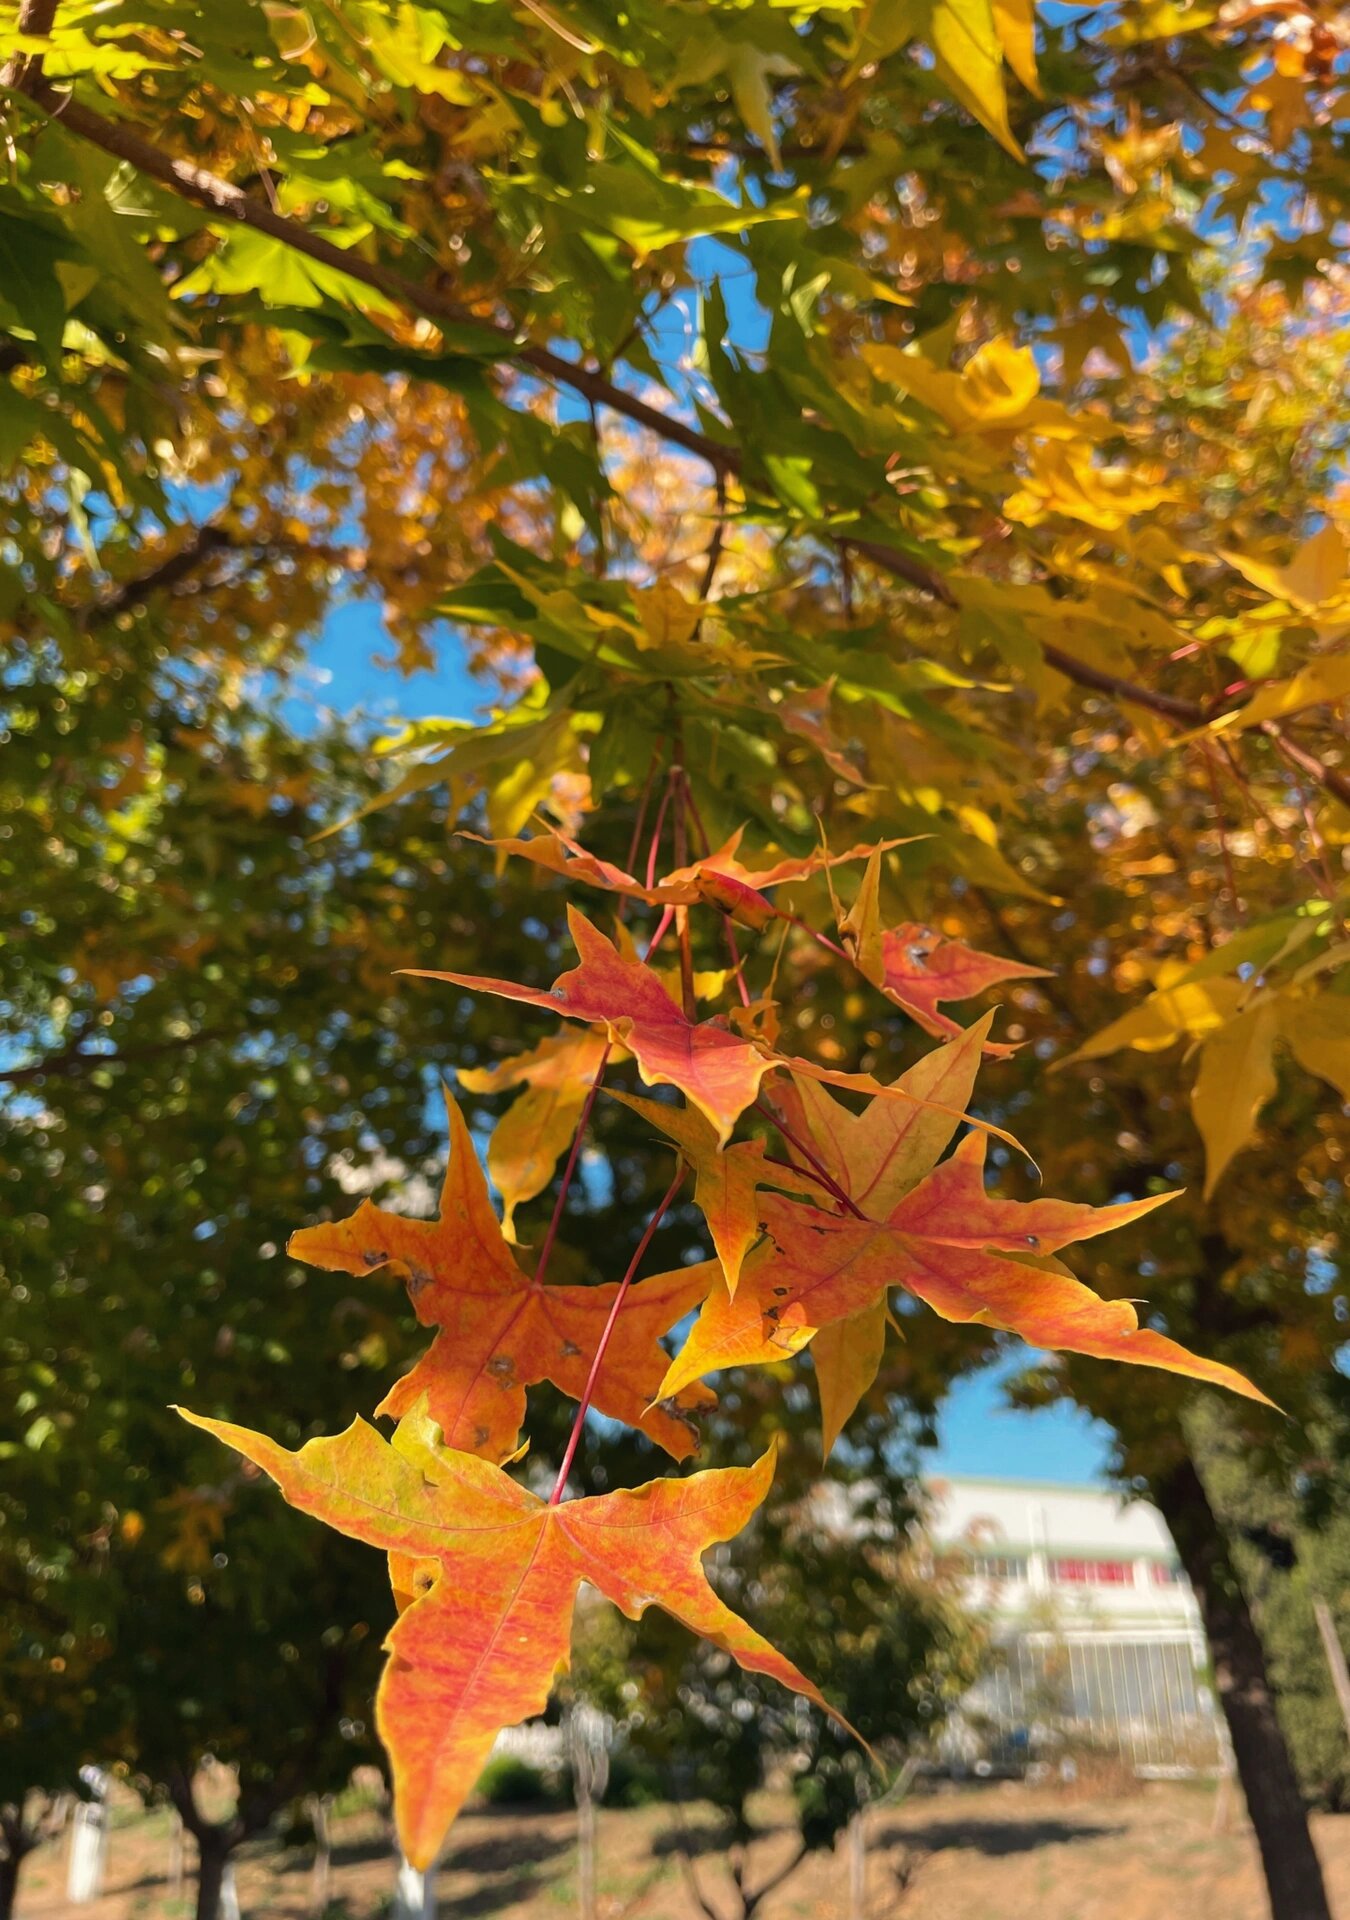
(574, 1438)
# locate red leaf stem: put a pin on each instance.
(574, 1439)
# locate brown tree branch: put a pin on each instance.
(73, 1060)
(206, 540)
(1331, 779)
(903, 566)
(24, 70)
(222, 197)
(1186, 713)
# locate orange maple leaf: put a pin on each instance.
(917, 968)
(718, 1069)
(480, 1646)
(719, 879)
(526, 1142)
(726, 1179)
(500, 1330)
(876, 1157)
(715, 1068)
(946, 1243)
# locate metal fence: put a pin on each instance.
(1140, 1699)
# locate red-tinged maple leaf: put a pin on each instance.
(876, 1157)
(723, 882)
(537, 1127)
(481, 1646)
(501, 1331)
(719, 879)
(946, 1243)
(896, 1090)
(716, 1069)
(917, 968)
(726, 1179)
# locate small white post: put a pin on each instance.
(414, 1893)
(856, 1840)
(320, 1809)
(88, 1841)
(229, 1894)
(588, 1734)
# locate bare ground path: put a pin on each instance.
(1008, 1852)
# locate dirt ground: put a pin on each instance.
(998, 1852)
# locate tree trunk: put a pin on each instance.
(213, 1856)
(9, 1883)
(1274, 1800)
(18, 1841)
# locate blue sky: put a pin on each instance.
(979, 1434)
(344, 672)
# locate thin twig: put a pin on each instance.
(1230, 879)
(206, 540)
(719, 535)
(75, 1061)
(641, 819)
(821, 939)
(546, 1250)
(812, 1159)
(728, 929)
(559, 1486)
(655, 847)
(1256, 811)
(663, 926)
(680, 837)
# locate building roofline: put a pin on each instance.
(1059, 1550)
(1095, 1488)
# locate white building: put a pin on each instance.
(1097, 1628)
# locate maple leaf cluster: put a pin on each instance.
(809, 1245)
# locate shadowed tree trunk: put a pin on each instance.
(9, 1882)
(19, 1837)
(214, 1847)
(10, 1862)
(216, 1840)
(1274, 1799)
